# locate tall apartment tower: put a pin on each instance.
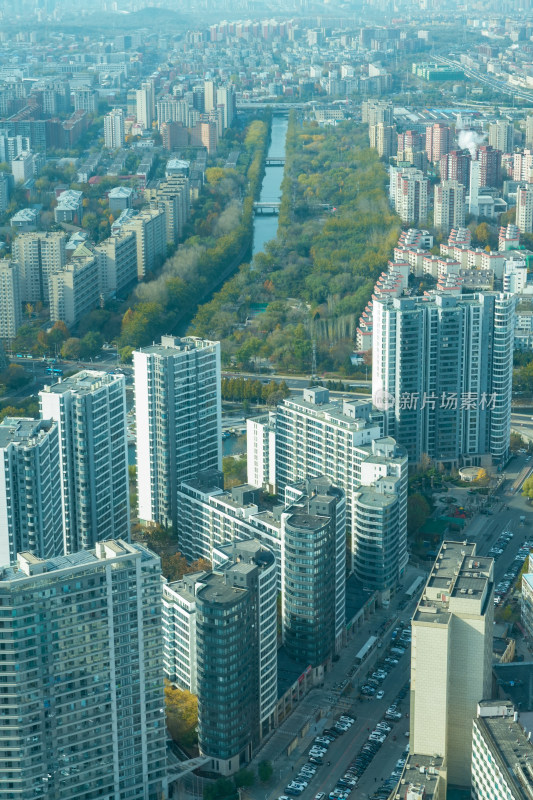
(178, 417)
(412, 196)
(90, 411)
(501, 136)
(375, 111)
(449, 205)
(451, 657)
(150, 229)
(226, 99)
(529, 131)
(82, 689)
(30, 488)
(455, 166)
(384, 139)
(114, 129)
(144, 99)
(524, 208)
(438, 141)
(210, 96)
(491, 162)
(442, 374)
(39, 255)
(10, 301)
(312, 562)
(343, 441)
(236, 661)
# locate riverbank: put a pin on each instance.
(305, 292)
(222, 239)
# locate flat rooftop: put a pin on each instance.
(23, 431)
(83, 382)
(513, 752)
(422, 773)
(458, 577)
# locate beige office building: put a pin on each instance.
(451, 657)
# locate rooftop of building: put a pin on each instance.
(421, 775)
(456, 574)
(83, 382)
(170, 345)
(512, 750)
(370, 498)
(345, 412)
(215, 589)
(22, 430)
(28, 565)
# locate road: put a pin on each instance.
(508, 506)
(499, 86)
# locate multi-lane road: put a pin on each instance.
(508, 506)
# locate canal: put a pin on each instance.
(266, 225)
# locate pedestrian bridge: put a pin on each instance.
(271, 207)
(275, 161)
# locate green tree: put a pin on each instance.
(244, 777)
(91, 344)
(14, 377)
(265, 770)
(527, 488)
(418, 511)
(126, 355)
(71, 350)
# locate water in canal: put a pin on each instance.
(266, 226)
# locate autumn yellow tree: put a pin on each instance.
(182, 715)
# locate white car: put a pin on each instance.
(380, 695)
(344, 718)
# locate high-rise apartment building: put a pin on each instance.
(491, 161)
(10, 300)
(144, 99)
(455, 166)
(75, 289)
(313, 561)
(178, 418)
(438, 141)
(502, 753)
(85, 99)
(211, 517)
(81, 684)
(501, 135)
(523, 166)
(114, 129)
(117, 263)
(524, 208)
(38, 255)
(261, 451)
(529, 131)
(383, 138)
(173, 197)
(232, 667)
(30, 488)
(412, 196)
(150, 232)
(226, 99)
(451, 657)
(210, 93)
(342, 440)
(442, 372)
(377, 111)
(449, 205)
(90, 411)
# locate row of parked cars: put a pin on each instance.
(511, 575)
(390, 784)
(315, 758)
(400, 643)
(500, 544)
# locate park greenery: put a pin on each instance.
(221, 235)
(245, 389)
(164, 542)
(182, 715)
(336, 233)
